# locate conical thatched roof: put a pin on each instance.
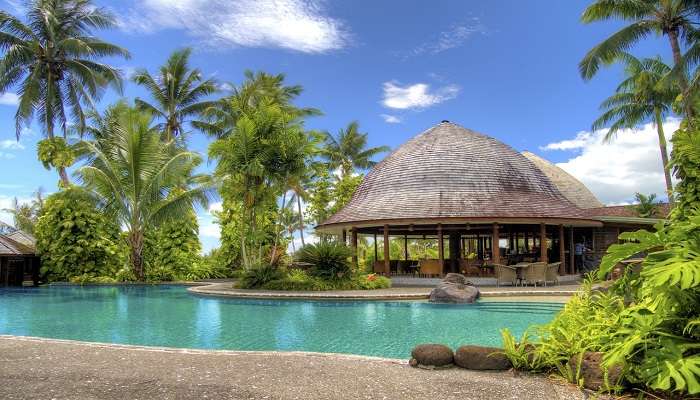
(569, 186)
(452, 172)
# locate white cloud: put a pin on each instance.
(454, 37)
(9, 144)
(9, 99)
(416, 96)
(391, 119)
(299, 25)
(615, 171)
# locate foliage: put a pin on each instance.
(258, 275)
(348, 151)
(300, 280)
(646, 206)
(56, 153)
(139, 180)
(74, 238)
(343, 190)
(177, 92)
(174, 246)
(685, 160)
(26, 215)
(648, 322)
(53, 59)
(329, 259)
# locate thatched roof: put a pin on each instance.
(569, 186)
(9, 247)
(22, 237)
(662, 210)
(452, 172)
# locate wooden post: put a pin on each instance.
(572, 252)
(345, 237)
(543, 243)
(441, 249)
(527, 242)
(562, 251)
(387, 266)
(405, 247)
(495, 247)
(376, 253)
(354, 248)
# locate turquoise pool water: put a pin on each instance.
(170, 316)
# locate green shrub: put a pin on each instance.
(75, 238)
(258, 275)
(329, 260)
(88, 279)
(299, 280)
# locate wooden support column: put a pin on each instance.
(405, 247)
(562, 251)
(376, 253)
(345, 237)
(354, 248)
(387, 266)
(441, 249)
(572, 252)
(527, 242)
(543, 243)
(495, 247)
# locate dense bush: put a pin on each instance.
(300, 280)
(75, 239)
(172, 250)
(328, 259)
(259, 275)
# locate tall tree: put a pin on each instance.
(138, 179)
(642, 96)
(25, 215)
(671, 18)
(348, 151)
(177, 92)
(53, 60)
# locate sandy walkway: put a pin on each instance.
(49, 369)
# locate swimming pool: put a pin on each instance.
(165, 315)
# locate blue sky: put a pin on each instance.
(504, 68)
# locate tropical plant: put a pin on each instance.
(174, 246)
(329, 259)
(642, 96)
(177, 92)
(289, 221)
(139, 180)
(26, 215)
(75, 238)
(646, 206)
(348, 150)
(685, 160)
(671, 18)
(258, 275)
(53, 60)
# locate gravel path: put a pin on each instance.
(33, 368)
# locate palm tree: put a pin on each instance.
(670, 18)
(289, 221)
(26, 215)
(640, 97)
(348, 150)
(177, 93)
(646, 206)
(53, 60)
(138, 179)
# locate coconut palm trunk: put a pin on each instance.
(664, 153)
(136, 257)
(301, 220)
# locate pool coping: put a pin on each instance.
(184, 350)
(219, 289)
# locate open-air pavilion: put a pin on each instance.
(483, 202)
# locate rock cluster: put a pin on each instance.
(454, 288)
(593, 374)
(430, 356)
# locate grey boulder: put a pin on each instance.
(454, 288)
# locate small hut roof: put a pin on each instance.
(570, 187)
(452, 172)
(9, 247)
(22, 237)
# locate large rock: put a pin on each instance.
(454, 288)
(482, 358)
(592, 373)
(431, 356)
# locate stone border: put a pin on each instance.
(207, 290)
(180, 350)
